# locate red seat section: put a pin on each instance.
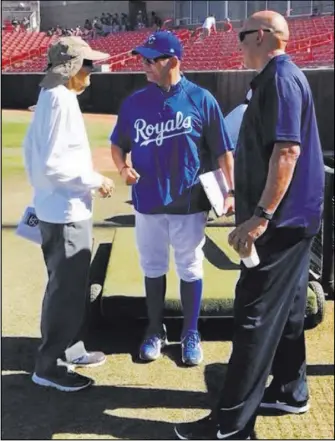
(19, 48)
(311, 44)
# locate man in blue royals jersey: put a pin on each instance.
(175, 131)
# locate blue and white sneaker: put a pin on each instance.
(152, 346)
(191, 350)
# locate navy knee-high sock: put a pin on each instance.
(155, 289)
(190, 295)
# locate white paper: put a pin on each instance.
(28, 227)
(252, 260)
(75, 351)
(216, 188)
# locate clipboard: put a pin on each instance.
(216, 188)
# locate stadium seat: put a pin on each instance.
(311, 44)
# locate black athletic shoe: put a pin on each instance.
(278, 402)
(206, 428)
(63, 380)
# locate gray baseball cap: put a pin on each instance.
(66, 58)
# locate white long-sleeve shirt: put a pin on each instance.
(58, 159)
(209, 22)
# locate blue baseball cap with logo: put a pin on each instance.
(160, 44)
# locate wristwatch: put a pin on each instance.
(260, 212)
(231, 192)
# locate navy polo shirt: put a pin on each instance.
(281, 110)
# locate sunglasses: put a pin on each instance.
(88, 64)
(155, 60)
(243, 34)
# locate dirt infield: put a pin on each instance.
(102, 160)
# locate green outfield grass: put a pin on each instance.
(14, 128)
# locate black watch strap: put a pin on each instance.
(260, 212)
(231, 192)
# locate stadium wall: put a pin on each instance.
(19, 91)
(73, 13)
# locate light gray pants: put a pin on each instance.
(67, 255)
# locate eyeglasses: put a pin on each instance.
(155, 60)
(242, 34)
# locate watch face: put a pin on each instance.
(260, 212)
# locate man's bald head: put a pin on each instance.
(264, 35)
(273, 21)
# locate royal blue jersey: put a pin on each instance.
(173, 137)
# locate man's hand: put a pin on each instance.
(229, 205)
(107, 188)
(129, 175)
(243, 236)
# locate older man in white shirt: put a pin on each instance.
(59, 166)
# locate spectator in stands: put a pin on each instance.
(116, 25)
(59, 30)
(88, 29)
(125, 24)
(26, 23)
(96, 22)
(78, 32)
(103, 19)
(16, 24)
(105, 24)
(208, 25)
(88, 25)
(139, 20)
(59, 167)
(316, 12)
(97, 26)
(279, 191)
(228, 27)
(145, 19)
(156, 21)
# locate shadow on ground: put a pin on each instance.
(30, 412)
(35, 413)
